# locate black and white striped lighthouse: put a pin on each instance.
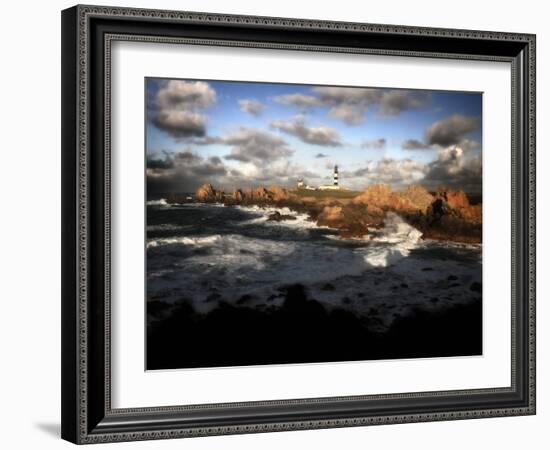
(335, 176)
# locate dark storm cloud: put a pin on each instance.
(158, 164)
(182, 172)
(321, 135)
(188, 156)
(414, 144)
(176, 108)
(155, 162)
(452, 169)
(451, 131)
(252, 107)
(263, 157)
(374, 144)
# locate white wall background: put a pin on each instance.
(30, 224)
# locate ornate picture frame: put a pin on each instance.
(88, 33)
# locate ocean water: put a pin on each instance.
(204, 254)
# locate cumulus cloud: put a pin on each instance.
(252, 107)
(350, 114)
(374, 144)
(451, 130)
(180, 124)
(176, 108)
(348, 95)
(298, 99)
(394, 102)
(454, 170)
(414, 144)
(469, 145)
(350, 104)
(190, 94)
(250, 144)
(185, 171)
(321, 135)
(388, 170)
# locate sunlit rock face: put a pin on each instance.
(206, 193)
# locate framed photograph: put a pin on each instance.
(278, 224)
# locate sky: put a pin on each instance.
(243, 134)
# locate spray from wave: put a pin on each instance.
(260, 216)
(160, 202)
(401, 236)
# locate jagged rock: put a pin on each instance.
(238, 196)
(351, 220)
(377, 195)
(418, 196)
(278, 194)
(260, 194)
(220, 195)
(331, 215)
(455, 199)
(458, 202)
(206, 193)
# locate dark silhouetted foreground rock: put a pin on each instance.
(302, 331)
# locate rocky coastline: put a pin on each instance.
(442, 215)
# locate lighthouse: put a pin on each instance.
(335, 186)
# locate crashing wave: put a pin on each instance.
(401, 236)
(160, 202)
(397, 231)
(262, 214)
(184, 240)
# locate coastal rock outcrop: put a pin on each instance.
(278, 217)
(278, 194)
(458, 201)
(205, 193)
(351, 220)
(445, 214)
(238, 196)
(450, 217)
(380, 197)
(418, 197)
